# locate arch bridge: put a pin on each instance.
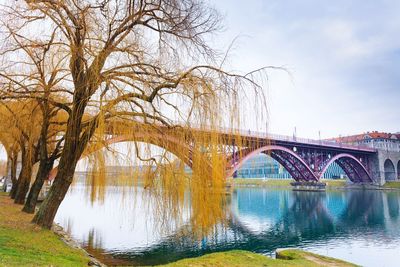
(305, 159)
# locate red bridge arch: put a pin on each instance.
(295, 165)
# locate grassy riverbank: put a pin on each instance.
(239, 258)
(392, 185)
(281, 182)
(24, 244)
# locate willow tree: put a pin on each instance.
(17, 117)
(34, 72)
(10, 143)
(142, 61)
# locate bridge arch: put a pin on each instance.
(173, 145)
(390, 172)
(295, 165)
(169, 143)
(353, 168)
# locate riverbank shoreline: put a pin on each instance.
(339, 184)
(241, 258)
(25, 244)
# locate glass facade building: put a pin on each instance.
(263, 166)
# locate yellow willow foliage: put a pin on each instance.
(23, 119)
(197, 143)
(201, 194)
(20, 121)
(96, 180)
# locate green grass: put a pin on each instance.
(24, 244)
(239, 258)
(334, 183)
(280, 182)
(261, 182)
(394, 184)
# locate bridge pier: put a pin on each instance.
(308, 186)
(381, 174)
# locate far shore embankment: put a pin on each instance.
(331, 184)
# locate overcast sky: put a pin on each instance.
(343, 57)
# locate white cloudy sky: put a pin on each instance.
(343, 57)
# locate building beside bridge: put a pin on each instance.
(263, 166)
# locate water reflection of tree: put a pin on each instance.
(305, 220)
(94, 245)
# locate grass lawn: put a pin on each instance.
(239, 258)
(394, 184)
(24, 244)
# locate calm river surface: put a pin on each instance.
(359, 226)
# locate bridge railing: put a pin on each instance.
(287, 138)
(295, 139)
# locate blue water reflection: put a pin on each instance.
(362, 226)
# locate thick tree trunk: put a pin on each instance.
(24, 181)
(15, 186)
(13, 190)
(13, 173)
(73, 147)
(45, 216)
(45, 167)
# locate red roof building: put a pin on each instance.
(380, 140)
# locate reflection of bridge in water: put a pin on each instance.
(288, 219)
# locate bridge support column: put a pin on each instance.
(377, 165)
(376, 169)
(308, 186)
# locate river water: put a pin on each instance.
(360, 226)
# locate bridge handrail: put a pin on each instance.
(295, 139)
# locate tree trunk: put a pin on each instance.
(13, 190)
(14, 163)
(45, 216)
(15, 186)
(24, 181)
(72, 151)
(45, 167)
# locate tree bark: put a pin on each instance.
(24, 178)
(15, 186)
(72, 151)
(14, 163)
(45, 216)
(13, 190)
(43, 172)
(24, 181)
